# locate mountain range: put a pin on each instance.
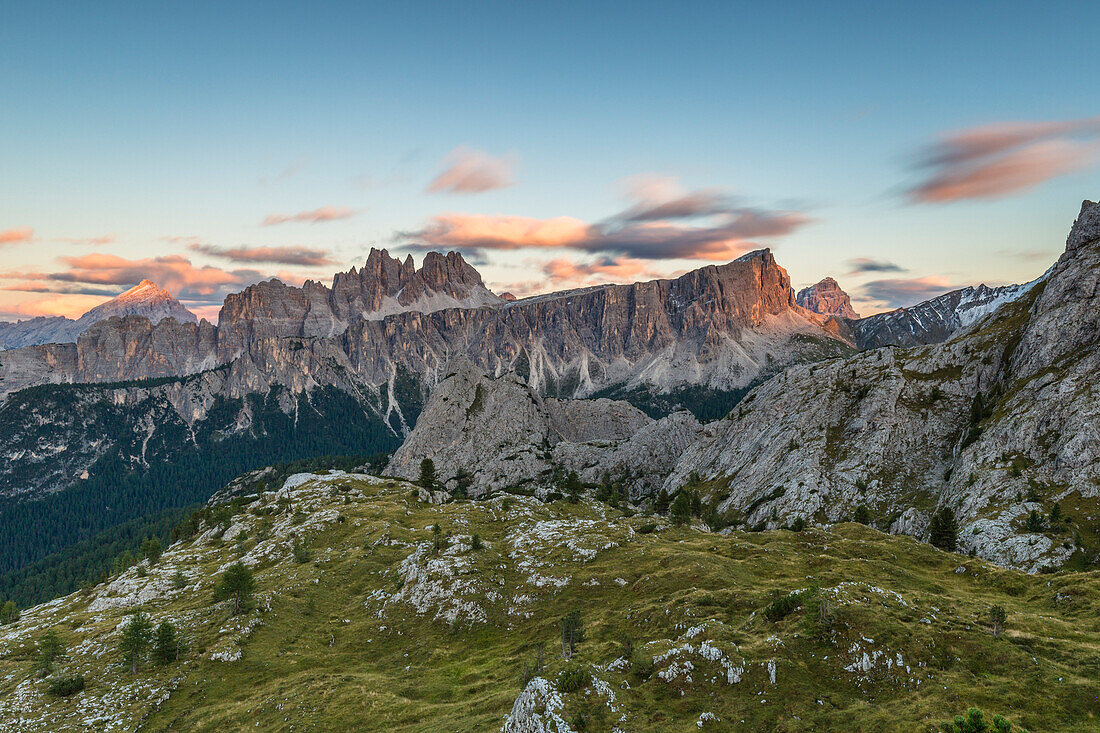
(784, 413)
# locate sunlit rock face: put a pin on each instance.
(721, 326)
(827, 299)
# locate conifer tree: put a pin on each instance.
(572, 633)
(236, 584)
(51, 650)
(463, 482)
(166, 644)
(136, 637)
(681, 508)
(152, 549)
(662, 502)
(427, 479)
(943, 530)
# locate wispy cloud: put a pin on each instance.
(563, 270)
(14, 236)
(653, 227)
(472, 171)
(95, 273)
(861, 265)
(93, 241)
(1001, 159)
(902, 292)
(661, 198)
(286, 173)
(302, 256)
(648, 240)
(314, 216)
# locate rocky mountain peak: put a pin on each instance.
(144, 299)
(1087, 226)
(827, 298)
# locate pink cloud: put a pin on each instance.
(472, 171)
(617, 268)
(14, 236)
(997, 160)
(325, 213)
(302, 256)
(173, 272)
(725, 239)
(70, 306)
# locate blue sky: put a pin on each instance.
(159, 137)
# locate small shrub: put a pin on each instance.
(475, 542)
(782, 607)
(66, 685)
(573, 678)
(301, 552)
(647, 528)
(642, 669)
(974, 722)
(997, 617)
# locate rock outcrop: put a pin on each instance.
(995, 423)
(827, 299)
(505, 434)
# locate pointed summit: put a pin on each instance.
(146, 299)
(827, 299)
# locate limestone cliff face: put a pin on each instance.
(382, 287)
(827, 299)
(114, 350)
(719, 326)
(1004, 410)
(120, 349)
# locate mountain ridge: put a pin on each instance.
(146, 299)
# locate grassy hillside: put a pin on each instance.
(379, 625)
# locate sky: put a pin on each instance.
(905, 150)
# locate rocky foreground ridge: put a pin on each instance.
(373, 610)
